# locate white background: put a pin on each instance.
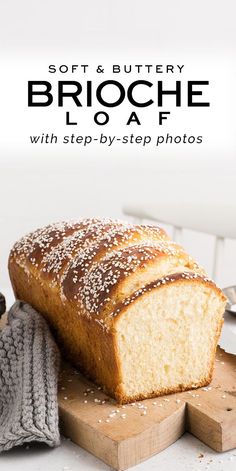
(47, 183)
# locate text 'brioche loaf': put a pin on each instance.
(130, 308)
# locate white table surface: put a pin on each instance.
(183, 455)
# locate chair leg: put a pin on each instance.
(218, 256)
(177, 234)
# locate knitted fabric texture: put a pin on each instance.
(29, 366)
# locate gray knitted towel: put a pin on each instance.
(29, 364)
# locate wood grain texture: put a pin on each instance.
(122, 442)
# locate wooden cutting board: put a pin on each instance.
(123, 436)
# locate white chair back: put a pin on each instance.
(208, 218)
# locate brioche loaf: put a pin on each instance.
(131, 309)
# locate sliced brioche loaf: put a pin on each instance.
(129, 307)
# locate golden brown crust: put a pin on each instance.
(83, 340)
(110, 246)
(53, 268)
(62, 255)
